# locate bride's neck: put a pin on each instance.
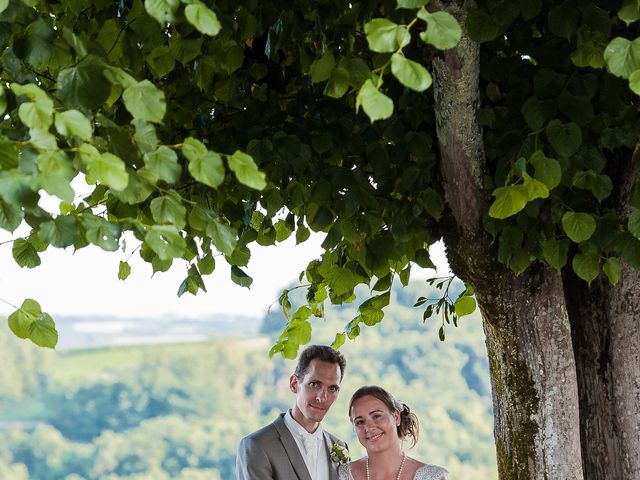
(387, 461)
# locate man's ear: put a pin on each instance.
(293, 383)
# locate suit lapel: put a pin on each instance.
(291, 449)
(333, 468)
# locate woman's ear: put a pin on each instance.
(396, 415)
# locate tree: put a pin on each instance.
(205, 128)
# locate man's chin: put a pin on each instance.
(316, 416)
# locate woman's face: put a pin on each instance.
(375, 425)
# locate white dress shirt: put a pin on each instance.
(311, 446)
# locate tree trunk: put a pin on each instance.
(533, 375)
(605, 324)
(624, 314)
(528, 334)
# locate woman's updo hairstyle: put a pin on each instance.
(408, 427)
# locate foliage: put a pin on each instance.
(196, 431)
(156, 105)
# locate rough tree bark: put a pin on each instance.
(605, 324)
(528, 334)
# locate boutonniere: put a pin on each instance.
(339, 454)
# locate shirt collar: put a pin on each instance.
(298, 429)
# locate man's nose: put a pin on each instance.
(322, 394)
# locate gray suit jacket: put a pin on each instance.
(271, 453)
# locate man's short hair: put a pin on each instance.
(324, 353)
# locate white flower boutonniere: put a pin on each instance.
(339, 454)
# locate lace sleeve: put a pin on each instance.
(344, 472)
(430, 472)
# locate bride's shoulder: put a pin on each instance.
(427, 471)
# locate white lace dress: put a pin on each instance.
(427, 472)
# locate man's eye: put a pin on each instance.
(334, 389)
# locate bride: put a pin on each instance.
(382, 423)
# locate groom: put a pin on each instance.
(295, 446)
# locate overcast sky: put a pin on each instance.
(86, 282)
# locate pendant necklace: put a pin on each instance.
(404, 457)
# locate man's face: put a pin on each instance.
(315, 393)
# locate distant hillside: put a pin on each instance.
(100, 331)
(177, 410)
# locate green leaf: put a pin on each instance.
(586, 266)
(161, 61)
(578, 226)
(162, 10)
(536, 112)
(283, 230)
(145, 101)
(634, 81)
(322, 67)
(36, 114)
(509, 201)
(223, 236)
(411, 4)
(482, 26)
(443, 30)
(161, 165)
(612, 269)
(385, 36)
(3, 96)
(84, 86)
(145, 137)
(3, 6)
(375, 104)
(338, 341)
(547, 170)
(207, 264)
(405, 276)
(555, 252)
(124, 270)
(10, 215)
(73, 122)
(622, 56)
(165, 241)
(43, 331)
(239, 277)
(565, 138)
(205, 166)
(8, 155)
(25, 254)
(61, 232)
(137, 190)
(20, 321)
(533, 188)
(29, 321)
(633, 223)
(104, 167)
(411, 74)
(101, 232)
(465, 305)
(42, 139)
(201, 17)
(246, 170)
(32, 92)
(338, 83)
(169, 209)
(302, 234)
(193, 283)
(629, 12)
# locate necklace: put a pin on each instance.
(404, 457)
